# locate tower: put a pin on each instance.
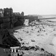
(22, 13)
(8, 12)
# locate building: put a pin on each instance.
(8, 12)
(15, 51)
(1, 13)
(26, 22)
(16, 14)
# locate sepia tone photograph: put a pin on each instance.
(28, 28)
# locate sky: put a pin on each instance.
(32, 7)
